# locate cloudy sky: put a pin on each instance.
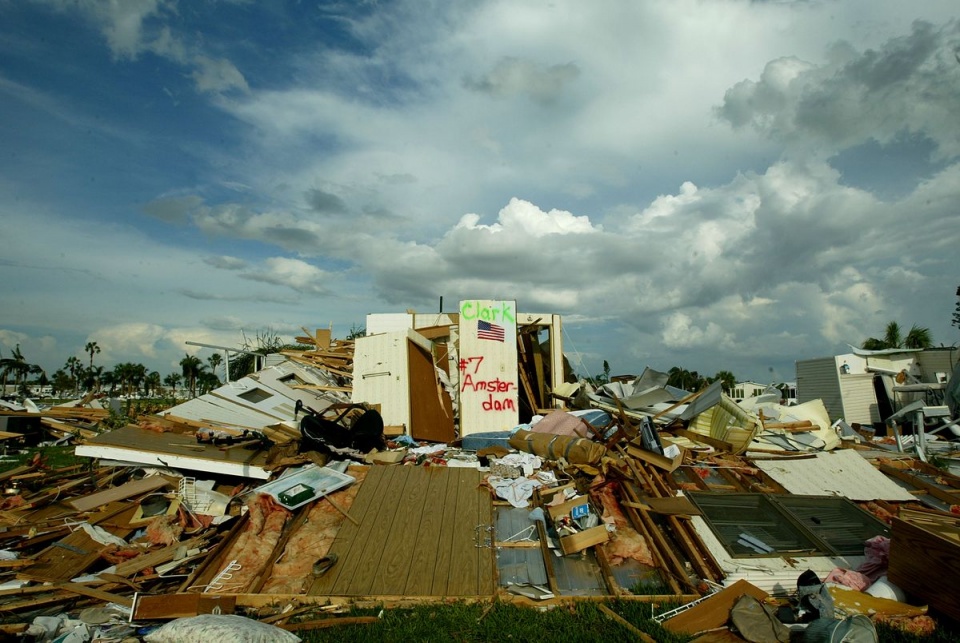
(711, 184)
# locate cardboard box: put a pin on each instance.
(587, 538)
(572, 543)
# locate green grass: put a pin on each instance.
(582, 621)
(571, 623)
(53, 457)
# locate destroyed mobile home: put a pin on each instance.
(444, 457)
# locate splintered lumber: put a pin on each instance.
(122, 492)
(98, 594)
(662, 551)
(850, 601)
(72, 555)
(157, 557)
(64, 559)
(700, 557)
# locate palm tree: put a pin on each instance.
(917, 337)
(138, 373)
(214, 360)
(91, 348)
(191, 366)
(152, 383)
(207, 381)
(96, 374)
(75, 367)
(727, 380)
(18, 366)
(172, 380)
(122, 374)
(61, 382)
(684, 379)
(109, 379)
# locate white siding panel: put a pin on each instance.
(859, 399)
(388, 323)
(380, 375)
(841, 472)
(937, 361)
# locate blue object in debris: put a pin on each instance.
(477, 441)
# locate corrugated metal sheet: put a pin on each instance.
(818, 379)
(842, 472)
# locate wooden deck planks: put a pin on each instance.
(445, 536)
(375, 533)
(417, 536)
(394, 568)
(423, 554)
(364, 509)
(464, 572)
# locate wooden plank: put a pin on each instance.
(395, 563)
(65, 559)
(374, 534)
(709, 441)
(156, 557)
(98, 594)
(348, 544)
(444, 552)
(943, 495)
(464, 562)
(163, 606)
(122, 492)
(423, 555)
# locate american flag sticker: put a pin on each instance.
(486, 330)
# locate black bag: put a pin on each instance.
(319, 433)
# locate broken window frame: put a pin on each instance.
(786, 525)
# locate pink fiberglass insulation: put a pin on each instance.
(253, 548)
(164, 530)
(293, 573)
(625, 542)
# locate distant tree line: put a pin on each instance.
(77, 376)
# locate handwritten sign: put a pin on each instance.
(488, 366)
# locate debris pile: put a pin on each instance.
(435, 458)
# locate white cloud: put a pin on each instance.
(217, 75)
(676, 184)
(858, 96)
(138, 338)
(292, 273)
(524, 218)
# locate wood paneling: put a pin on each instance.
(926, 565)
(431, 410)
(417, 536)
